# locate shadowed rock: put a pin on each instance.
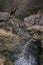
(20, 8)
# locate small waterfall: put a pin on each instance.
(29, 55)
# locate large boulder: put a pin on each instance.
(36, 19)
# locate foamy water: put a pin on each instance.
(26, 59)
(23, 61)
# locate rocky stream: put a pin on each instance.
(21, 32)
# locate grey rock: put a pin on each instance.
(4, 16)
(36, 19)
(29, 21)
(41, 20)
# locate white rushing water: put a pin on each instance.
(23, 61)
(25, 58)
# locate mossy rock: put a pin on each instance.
(8, 62)
(5, 60)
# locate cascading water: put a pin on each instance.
(30, 54)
